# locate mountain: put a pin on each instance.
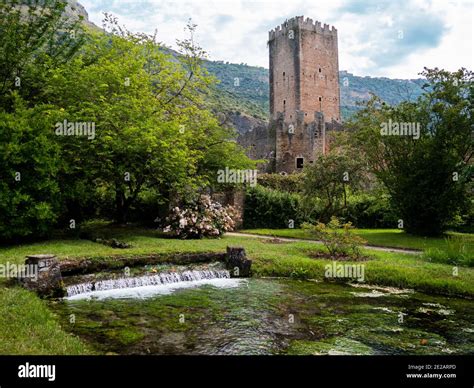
(355, 89)
(243, 91)
(75, 10)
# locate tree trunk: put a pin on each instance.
(120, 209)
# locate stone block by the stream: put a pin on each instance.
(237, 262)
(47, 279)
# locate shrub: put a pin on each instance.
(29, 163)
(266, 208)
(456, 252)
(205, 218)
(149, 206)
(289, 183)
(328, 179)
(337, 237)
(370, 211)
(464, 220)
(300, 273)
(270, 208)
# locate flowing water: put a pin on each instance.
(149, 285)
(208, 313)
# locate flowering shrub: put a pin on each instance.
(206, 218)
(337, 237)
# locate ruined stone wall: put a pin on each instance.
(259, 144)
(235, 198)
(301, 138)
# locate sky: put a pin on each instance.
(378, 38)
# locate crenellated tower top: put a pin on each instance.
(300, 23)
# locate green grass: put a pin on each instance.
(288, 259)
(28, 327)
(393, 238)
(456, 252)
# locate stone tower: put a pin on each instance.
(304, 91)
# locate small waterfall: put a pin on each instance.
(160, 279)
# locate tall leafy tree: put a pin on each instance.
(29, 163)
(429, 175)
(34, 37)
(332, 177)
(152, 130)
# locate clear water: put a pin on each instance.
(147, 286)
(270, 316)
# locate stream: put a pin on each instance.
(254, 316)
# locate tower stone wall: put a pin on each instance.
(304, 90)
(304, 97)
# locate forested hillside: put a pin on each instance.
(244, 90)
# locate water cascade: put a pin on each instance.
(163, 281)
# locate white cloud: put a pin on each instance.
(437, 33)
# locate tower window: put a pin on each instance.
(283, 74)
(299, 162)
(320, 98)
(320, 70)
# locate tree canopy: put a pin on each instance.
(429, 174)
(100, 119)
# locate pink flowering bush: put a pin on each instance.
(206, 218)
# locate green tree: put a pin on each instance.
(35, 36)
(152, 130)
(428, 175)
(29, 163)
(331, 178)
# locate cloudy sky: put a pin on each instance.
(391, 38)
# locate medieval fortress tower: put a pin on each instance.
(304, 96)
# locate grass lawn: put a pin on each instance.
(393, 238)
(27, 326)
